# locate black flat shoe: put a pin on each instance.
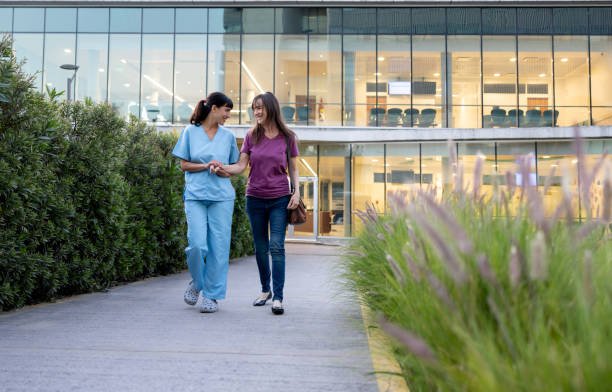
(277, 307)
(262, 299)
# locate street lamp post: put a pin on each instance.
(70, 81)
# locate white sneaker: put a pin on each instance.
(208, 305)
(191, 295)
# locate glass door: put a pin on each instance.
(309, 189)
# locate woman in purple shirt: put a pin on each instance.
(268, 192)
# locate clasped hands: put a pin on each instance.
(216, 167)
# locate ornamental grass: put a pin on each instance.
(484, 292)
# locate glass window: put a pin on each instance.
(292, 20)
(224, 68)
(291, 70)
(463, 20)
(93, 20)
(125, 20)
(463, 95)
(60, 20)
(258, 20)
(394, 20)
(29, 20)
(124, 77)
(468, 155)
(361, 82)
(59, 50)
(257, 69)
(191, 20)
(334, 17)
(224, 20)
(509, 158)
(436, 168)
(325, 75)
(92, 59)
(359, 20)
(189, 75)
(594, 150)
(6, 20)
(428, 85)
(394, 69)
(572, 21)
(428, 21)
(571, 80)
(402, 167)
(534, 20)
(158, 20)
(499, 20)
(499, 79)
(368, 180)
(556, 172)
(535, 81)
(157, 78)
(601, 79)
(335, 185)
(29, 47)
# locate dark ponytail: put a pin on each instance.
(200, 112)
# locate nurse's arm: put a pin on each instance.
(193, 167)
(239, 166)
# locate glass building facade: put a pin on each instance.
(372, 68)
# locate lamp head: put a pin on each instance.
(70, 67)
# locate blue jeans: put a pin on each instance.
(269, 216)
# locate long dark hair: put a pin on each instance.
(205, 105)
(273, 114)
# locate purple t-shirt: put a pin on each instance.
(268, 159)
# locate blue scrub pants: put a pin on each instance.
(209, 231)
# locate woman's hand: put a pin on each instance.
(218, 170)
(294, 201)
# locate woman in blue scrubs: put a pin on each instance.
(209, 199)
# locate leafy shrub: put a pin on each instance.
(483, 301)
(86, 199)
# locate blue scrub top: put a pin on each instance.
(194, 146)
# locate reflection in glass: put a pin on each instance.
(60, 20)
(499, 78)
(6, 20)
(124, 77)
(463, 95)
(224, 69)
(158, 20)
(335, 185)
(361, 81)
(29, 47)
(325, 76)
(157, 77)
(92, 58)
(189, 75)
(224, 20)
(191, 20)
(428, 87)
(28, 20)
(59, 49)
(125, 20)
(257, 20)
(535, 79)
(257, 69)
(394, 68)
(291, 69)
(93, 20)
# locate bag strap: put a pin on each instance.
(292, 189)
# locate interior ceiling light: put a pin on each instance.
(564, 59)
(497, 74)
(513, 59)
(463, 59)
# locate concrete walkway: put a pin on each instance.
(143, 337)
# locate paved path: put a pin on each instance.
(143, 337)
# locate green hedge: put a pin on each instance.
(87, 200)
